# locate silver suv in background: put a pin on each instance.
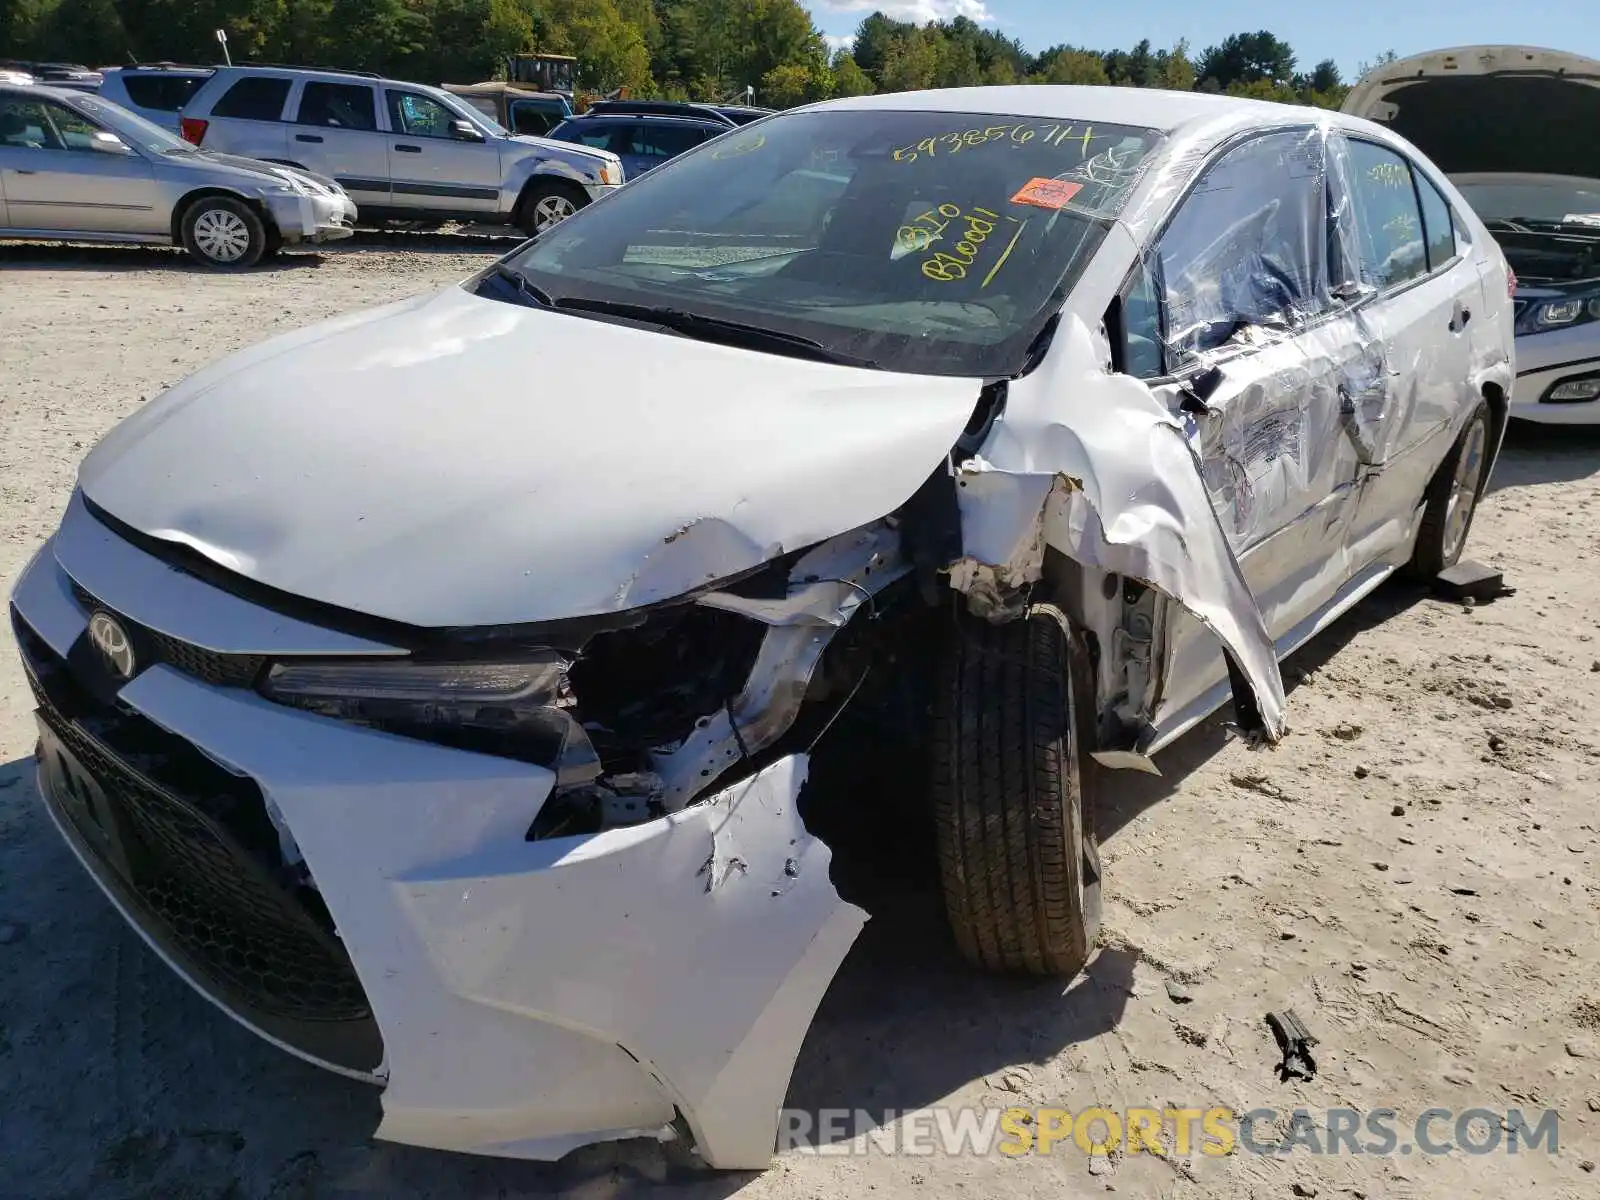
(404, 151)
(155, 92)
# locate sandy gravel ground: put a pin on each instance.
(1414, 870)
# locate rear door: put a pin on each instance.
(334, 131)
(246, 117)
(432, 169)
(1424, 292)
(53, 178)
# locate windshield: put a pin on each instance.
(928, 242)
(132, 128)
(1555, 200)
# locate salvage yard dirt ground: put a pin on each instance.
(1415, 870)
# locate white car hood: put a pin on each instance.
(1490, 109)
(455, 460)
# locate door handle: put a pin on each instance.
(407, 148)
(307, 137)
(20, 171)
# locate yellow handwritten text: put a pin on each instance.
(1052, 134)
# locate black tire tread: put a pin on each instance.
(1013, 817)
(1427, 557)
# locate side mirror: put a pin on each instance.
(465, 131)
(109, 143)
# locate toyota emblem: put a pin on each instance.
(113, 643)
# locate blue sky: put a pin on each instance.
(1347, 31)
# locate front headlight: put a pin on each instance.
(611, 173)
(517, 709)
(287, 187)
(1541, 316)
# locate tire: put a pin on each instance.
(546, 203)
(1451, 500)
(220, 231)
(1013, 793)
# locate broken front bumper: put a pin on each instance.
(524, 997)
(313, 219)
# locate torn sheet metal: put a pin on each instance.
(726, 909)
(1094, 465)
(828, 585)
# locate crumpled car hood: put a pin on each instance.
(454, 460)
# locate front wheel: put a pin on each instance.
(220, 231)
(547, 204)
(1452, 499)
(1013, 792)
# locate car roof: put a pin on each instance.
(334, 75)
(40, 89)
(1144, 108)
(178, 68)
(266, 68)
(653, 118)
(493, 87)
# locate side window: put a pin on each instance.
(591, 133)
(253, 98)
(416, 115)
(530, 118)
(24, 126)
(1248, 247)
(1438, 223)
(76, 131)
(668, 141)
(163, 93)
(1392, 248)
(338, 106)
(1142, 354)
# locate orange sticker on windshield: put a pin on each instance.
(1047, 193)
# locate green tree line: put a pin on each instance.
(679, 49)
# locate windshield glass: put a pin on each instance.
(938, 243)
(130, 127)
(1552, 200)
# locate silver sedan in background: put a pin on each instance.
(75, 167)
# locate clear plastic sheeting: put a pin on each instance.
(1093, 464)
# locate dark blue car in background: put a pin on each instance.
(641, 140)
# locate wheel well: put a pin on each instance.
(554, 182)
(1494, 395)
(182, 207)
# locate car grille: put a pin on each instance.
(199, 869)
(208, 666)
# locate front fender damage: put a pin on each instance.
(1090, 463)
(695, 870)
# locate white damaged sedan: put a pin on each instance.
(434, 688)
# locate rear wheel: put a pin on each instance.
(221, 231)
(546, 204)
(1013, 791)
(1452, 499)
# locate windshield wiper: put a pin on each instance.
(717, 329)
(522, 286)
